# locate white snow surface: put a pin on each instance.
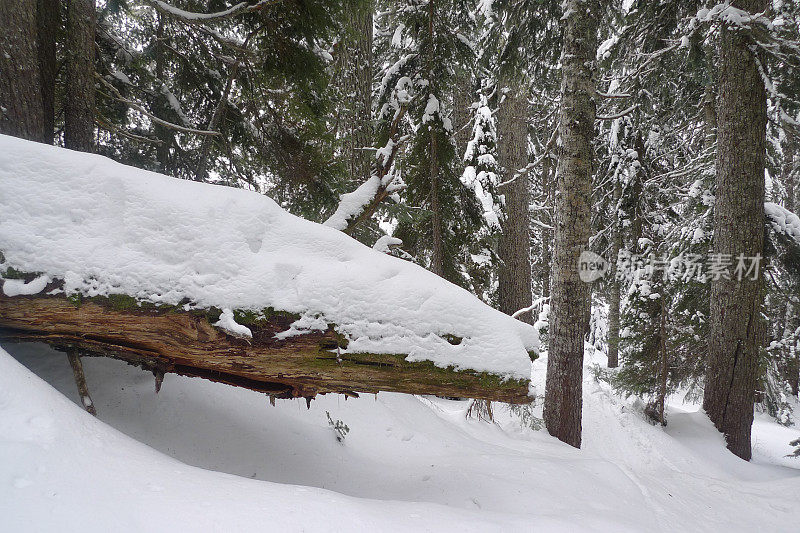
(16, 287)
(228, 323)
(108, 228)
(783, 220)
(202, 456)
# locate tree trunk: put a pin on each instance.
(21, 112)
(201, 173)
(79, 112)
(356, 70)
(437, 254)
(462, 99)
(664, 368)
(709, 117)
(548, 182)
(515, 248)
(437, 228)
(165, 135)
(614, 296)
(791, 169)
(187, 343)
(738, 229)
(47, 21)
(570, 296)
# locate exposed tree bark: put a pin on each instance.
(380, 172)
(462, 99)
(614, 293)
(80, 381)
(21, 112)
(79, 108)
(356, 71)
(186, 343)
(164, 134)
(664, 369)
(437, 227)
(437, 253)
(548, 185)
(738, 229)
(47, 20)
(570, 296)
(709, 117)
(515, 249)
(791, 170)
(201, 173)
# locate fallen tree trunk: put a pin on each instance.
(171, 340)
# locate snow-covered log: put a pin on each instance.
(186, 277)
(167, 340)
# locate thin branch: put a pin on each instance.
(204, 18)
(530, 166)
(617, 115)
(141, 109)
(380, 172)
(615, 95)
(103, 123)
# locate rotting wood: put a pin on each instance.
(175, 341)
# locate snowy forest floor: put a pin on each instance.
(210, 457)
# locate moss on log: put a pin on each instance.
(169, 339)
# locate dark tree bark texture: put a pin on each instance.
(569, 295)
(21, 112)
(79, 109)
(738, 229)
(48, 19)
(515, 247)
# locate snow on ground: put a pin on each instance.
(408, 463)
(107, 228)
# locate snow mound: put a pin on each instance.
(408, 463)
(62, 470)
(106, 228)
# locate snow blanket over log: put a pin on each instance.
(106, 228)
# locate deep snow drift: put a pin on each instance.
(108, 228)
(407, 464)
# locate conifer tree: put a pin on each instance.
(21, 103)
(79, 106)
(570, 296)
(738, 230)
(420, 47)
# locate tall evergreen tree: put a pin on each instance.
(735, 318)
(514, 291)
(79, 107)
(353, 81)
(21, 103)
(421, 45)
(570, 296)
(48, 21)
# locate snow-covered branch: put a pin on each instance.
(618, 115)
(204, 18)
(783, 221)
(355, 207)
(138, 107)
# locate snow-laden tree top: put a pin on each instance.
(106, 228)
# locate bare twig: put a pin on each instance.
(80, 381)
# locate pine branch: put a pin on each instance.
(141, 109)
(188, 17)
